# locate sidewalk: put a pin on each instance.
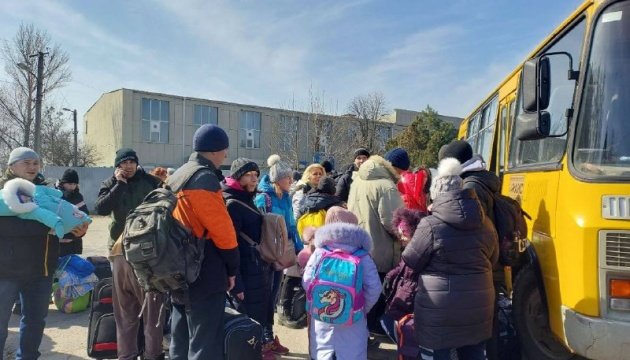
(65, 336)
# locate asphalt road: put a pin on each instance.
(65, 336)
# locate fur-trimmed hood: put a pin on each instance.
(347, 237)
(377, 167)
(12, 191)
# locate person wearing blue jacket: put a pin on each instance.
(274, 198)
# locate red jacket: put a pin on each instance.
(412, 189)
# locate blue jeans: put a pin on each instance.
(468, 352)
(197, 332)
(34, 294)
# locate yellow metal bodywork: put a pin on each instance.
(566, 212)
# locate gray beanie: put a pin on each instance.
(22, 153)
(448, 178)
(278, 169)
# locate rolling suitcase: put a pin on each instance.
(243, 336)
(102, 326)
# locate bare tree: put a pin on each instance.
(16, 96)
(368, 110)
(57, 142)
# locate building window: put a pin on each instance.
(155, 116)
(250, 129)
(287, 133)
(206, 115)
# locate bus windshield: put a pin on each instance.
(602, 146)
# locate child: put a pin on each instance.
(339, 329)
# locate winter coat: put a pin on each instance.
(278, 206)
(453, 250)
(316, 201)
(29, 251)
(202, 209)
(298, 196)
(342, 341)
(344, 182)
(399, 287)
(75, 246)
(414, 190)
(253, 277)
(484, 182)
(119, 198)
(373, 199)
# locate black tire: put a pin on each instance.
(532, 323)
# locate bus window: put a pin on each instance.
(551, 149)
(503, 135)
(486, 134)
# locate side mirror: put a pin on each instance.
(533, 126)
(536, 84)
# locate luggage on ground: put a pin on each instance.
(102, 266)
(102, 326)
(243, 336)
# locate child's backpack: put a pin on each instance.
(164, 255)
(509, 221)
(408, 348)
(335, 295)
(315, 219)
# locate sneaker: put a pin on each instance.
(277, 348)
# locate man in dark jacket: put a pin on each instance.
(345, 180)
(197, 329)
(453, 250)
(118, 195)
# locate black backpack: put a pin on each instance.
(509, 221)
(164, 255)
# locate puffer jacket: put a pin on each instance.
(28, 250)
(346, 342)
(399, 287)
(316, 201)
(253, 276)
(373, 199)
(119, 198)
(453, 250)
(281, 206)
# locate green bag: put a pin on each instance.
(69, 305)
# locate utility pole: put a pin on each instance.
(38, 101)
(75, 160)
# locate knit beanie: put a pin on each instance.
(125, 154)
(361, 151)
(69, 176)
(278, 169)
(242, 166)
(210, 138)
(406, 220)
(458, 149)
(22, 153)
(326, 185)
(337, 214)
(328, 166)
(447, 178)
(398, 157)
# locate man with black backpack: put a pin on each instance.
(197, 318)
(119, 195)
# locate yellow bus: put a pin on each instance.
(557, 131)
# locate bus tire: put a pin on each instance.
(532, 322)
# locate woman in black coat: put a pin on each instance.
(251, 290)
(69, 185)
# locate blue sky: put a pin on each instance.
(447, 54)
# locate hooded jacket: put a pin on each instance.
(373, 199)
(484, 182)
(253, 277)
(342, 341)
(281, 206)
(119, 198)
(453, 250)
(28, 250)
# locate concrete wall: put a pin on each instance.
(90, 179)
(103, 124)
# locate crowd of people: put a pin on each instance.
(420, 245)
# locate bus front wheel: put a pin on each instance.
(532, 323)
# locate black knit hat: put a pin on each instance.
(328, 166)
(210, 138)
(69, 176)
(458, 149)
(242, 166)
(125, 154)
(361, 151)
(326, 185)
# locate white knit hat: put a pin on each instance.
(448, 178)
(278, 169)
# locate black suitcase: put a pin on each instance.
(102, 266)
(102, 326)
(243, 337)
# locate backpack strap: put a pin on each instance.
(246, 237)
